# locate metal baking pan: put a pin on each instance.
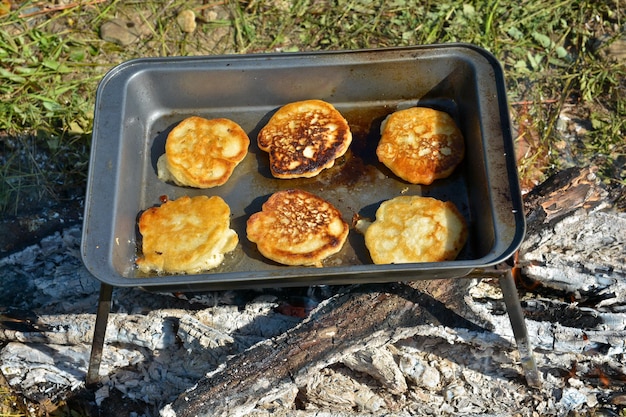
(140, 101)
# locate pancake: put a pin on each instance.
(420, 145)
(304, 138)
(295, 227)
(416, 229)
(186, 235)
(202, 153)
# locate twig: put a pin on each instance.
(51, 9)
(527, 102)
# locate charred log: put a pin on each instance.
(576, 241)
(365, 316)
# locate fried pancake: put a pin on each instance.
(416, 229)
(420, 145)
(202, 153)
(186, 235)
(304, 138)
(295, 227)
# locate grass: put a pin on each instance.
(552, 52)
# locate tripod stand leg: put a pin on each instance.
(516, 316)
(99, 332)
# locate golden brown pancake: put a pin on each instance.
(416, 229)
(420, 145)
(304, 138)
(202, 153)
(186, 235)
(295, 227)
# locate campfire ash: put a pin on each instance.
(165, 353)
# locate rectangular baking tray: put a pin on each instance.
(140, 101)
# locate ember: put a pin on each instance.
(606, 376)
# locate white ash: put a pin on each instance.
(381, 365)
(158, 346)
(584, 251)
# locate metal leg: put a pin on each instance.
(516, 315)
(99, 332)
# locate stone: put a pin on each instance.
(617, 49)
(186, 19)
(120, 32)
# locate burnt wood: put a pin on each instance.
(374, 314)
(363, 315)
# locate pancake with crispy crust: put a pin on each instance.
(416, 229)
(420, 145)
(202, 153)
(304, 138)
(186, 235)
(295, 227)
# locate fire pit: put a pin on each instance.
(140, 101)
